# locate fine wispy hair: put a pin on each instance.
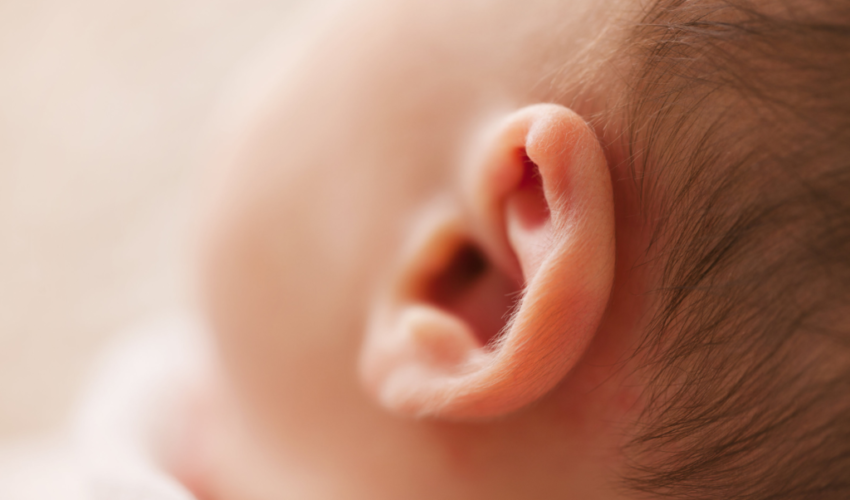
(739, 137)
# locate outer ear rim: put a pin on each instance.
(573, 279)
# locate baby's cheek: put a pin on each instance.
(238, 297)
(212, 459)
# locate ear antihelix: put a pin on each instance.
(462, 337)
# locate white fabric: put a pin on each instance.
(122, 426)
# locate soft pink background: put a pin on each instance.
(104, 106)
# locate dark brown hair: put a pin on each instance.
(739, 136)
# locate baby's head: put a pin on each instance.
(544, 249)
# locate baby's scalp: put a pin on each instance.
(739, 125)
(725, 127)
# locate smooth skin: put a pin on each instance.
(419, 264)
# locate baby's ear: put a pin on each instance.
(497, 300)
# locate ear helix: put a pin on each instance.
(536, 216)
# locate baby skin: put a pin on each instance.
(421, 264)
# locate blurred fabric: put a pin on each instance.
(103, 110)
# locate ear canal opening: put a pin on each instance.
(475, 291)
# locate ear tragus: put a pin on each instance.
(537, 212)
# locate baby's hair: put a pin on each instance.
(738, 132)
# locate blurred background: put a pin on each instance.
(104, 113)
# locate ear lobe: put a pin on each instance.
(542, 216)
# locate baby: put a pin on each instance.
(535, 249)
